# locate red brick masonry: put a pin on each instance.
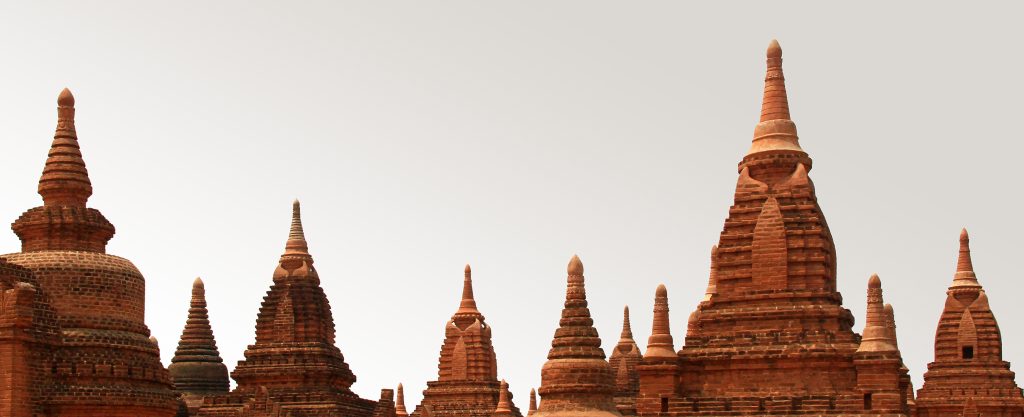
(770, 337)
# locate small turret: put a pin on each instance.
(660, 344)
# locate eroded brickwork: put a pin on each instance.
(197, 369)
(294, 368)
(576, 380)
(969, 374)
(467, 379)
(105, 364)
(771, 335)
(624, 359)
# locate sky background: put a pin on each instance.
(421, 136)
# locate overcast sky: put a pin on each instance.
(421, 136)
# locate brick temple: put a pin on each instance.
(769, 337)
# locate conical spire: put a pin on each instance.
(65, 181)
(468, 303)
(627, 330)
(533, 402)
(774, 104)
(964, 276)
(660, 344)
(197, 367)
(504, 407)
(576, 336)
(296, 244)
(775, 131)
(876, 327)
(713, 276)
(400, 410)
(576, 375)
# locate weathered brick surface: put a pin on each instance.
(576, 380)
(624, 359)
(969, 374)
(467, 378)
(771, 335)
(294, 368)
(197, 369)
(103, 362)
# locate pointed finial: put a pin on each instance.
(627, 330)
(774, 49)
(468, 303)
(198, 283)
(533, 402)
(65, 180)
(965, 276)
(296, 236)
(575, 266)
(776, 131)
(660, 344)
(66, 99)
(874, 281)
(964, 261)
(400, 410)
(775, 105)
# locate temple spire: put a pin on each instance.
(65, 180)
(660, 344)
(504, 408)
(533, 402)
(197, 368)
(400, 410)
(576, 375)
(296, 237)
(468, 303)
(776, 131)
(627, 330)
(964, 276)
(876, 327)
(775, 103)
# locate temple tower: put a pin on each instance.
(771, 335)
(294, 365)
(624, 359)
(576, 380)
(969, 374)
(467, 382)
(107, 365)
(197, 369)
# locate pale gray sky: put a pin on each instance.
(510, 135)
